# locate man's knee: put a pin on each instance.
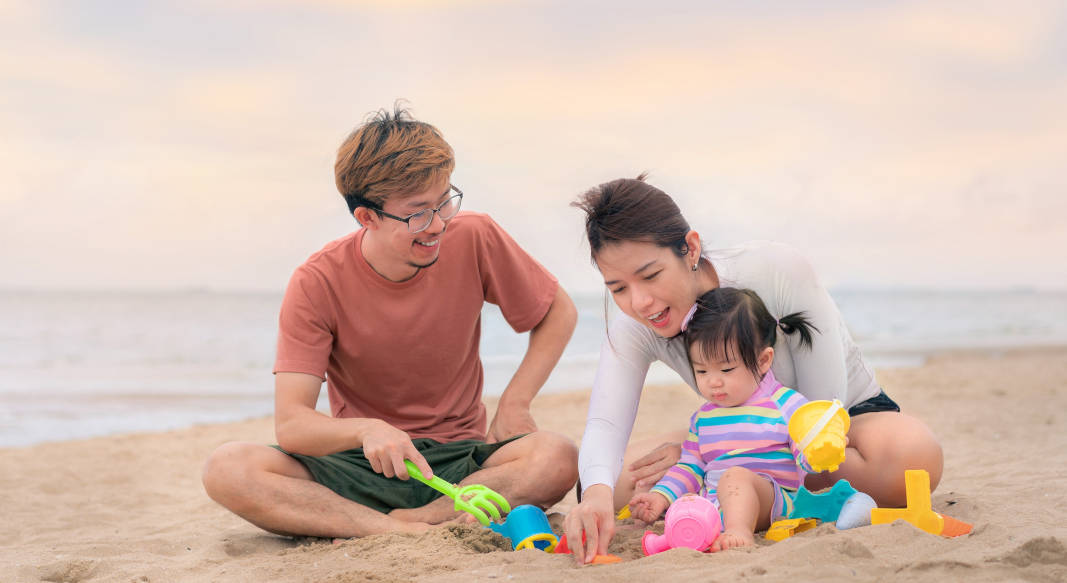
(555, 460)
(227, 468)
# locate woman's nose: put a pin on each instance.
(640, 301)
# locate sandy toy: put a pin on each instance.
(819, 429)
(919, 511)
(475, 499)
(691, 521)
(842, 504)
(783, 529)
(527, 527)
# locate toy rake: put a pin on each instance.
(476, 499)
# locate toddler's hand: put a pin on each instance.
(648, 506)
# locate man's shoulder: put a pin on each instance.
(331, 258)
(472, 224)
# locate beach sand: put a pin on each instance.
(131, 508)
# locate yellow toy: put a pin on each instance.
(819, 429)
(920, 512)
(784, 529)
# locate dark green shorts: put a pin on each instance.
(350, 475)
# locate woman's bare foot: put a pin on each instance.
(733, 539)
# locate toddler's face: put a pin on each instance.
(722, 379)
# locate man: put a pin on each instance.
(389, 317)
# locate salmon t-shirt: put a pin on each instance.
(407, 352)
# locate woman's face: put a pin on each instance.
(652, 284)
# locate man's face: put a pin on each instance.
(397, 253)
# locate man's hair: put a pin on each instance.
(391, 153)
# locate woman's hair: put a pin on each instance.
(728, 318)
(630, 209)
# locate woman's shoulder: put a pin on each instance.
(760, 260)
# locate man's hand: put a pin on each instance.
(386, 448)
(511, 419)
(648, 469)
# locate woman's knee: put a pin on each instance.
(890, 444)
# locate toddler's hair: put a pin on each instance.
(728, 318)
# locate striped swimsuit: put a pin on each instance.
(753, 435)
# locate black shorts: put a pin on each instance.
(349, 473)
(879, 402)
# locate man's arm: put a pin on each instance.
(547, 341)
(301, 429)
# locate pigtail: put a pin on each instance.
(798, 322)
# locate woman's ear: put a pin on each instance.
(692, 242)
(765, 360)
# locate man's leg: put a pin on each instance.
(275, 492)
(880, 447)
(539, 469)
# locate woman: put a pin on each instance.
(654, 267)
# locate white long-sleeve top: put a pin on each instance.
(833, 368)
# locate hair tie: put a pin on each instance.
(688, 317)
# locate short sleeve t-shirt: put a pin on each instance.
(407, 352)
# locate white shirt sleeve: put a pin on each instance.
(620, 376)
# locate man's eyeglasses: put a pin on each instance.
(418, 222)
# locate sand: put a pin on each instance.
(131, 508)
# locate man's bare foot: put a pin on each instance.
(409, 527)
(430, 514)
(733, 539)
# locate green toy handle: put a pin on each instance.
(436, 483)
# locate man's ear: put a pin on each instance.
(366, 217)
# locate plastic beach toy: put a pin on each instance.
(475, 499)
(563, 549)
(825, 506)
(528, 528)
(819, 429)
(692, 522)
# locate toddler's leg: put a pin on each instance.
(746, 499)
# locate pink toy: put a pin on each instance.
(691, 522)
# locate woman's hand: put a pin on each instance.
(647, 470)
(593, 519)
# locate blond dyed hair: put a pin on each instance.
(390, 154)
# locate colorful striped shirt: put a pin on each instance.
(753, 435)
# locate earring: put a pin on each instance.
(695, 266)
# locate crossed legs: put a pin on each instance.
(276, 493)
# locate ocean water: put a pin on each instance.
(79, 364)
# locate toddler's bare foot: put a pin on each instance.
(733, 539)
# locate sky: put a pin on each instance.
(190, 145)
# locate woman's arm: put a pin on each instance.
(620, 376)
